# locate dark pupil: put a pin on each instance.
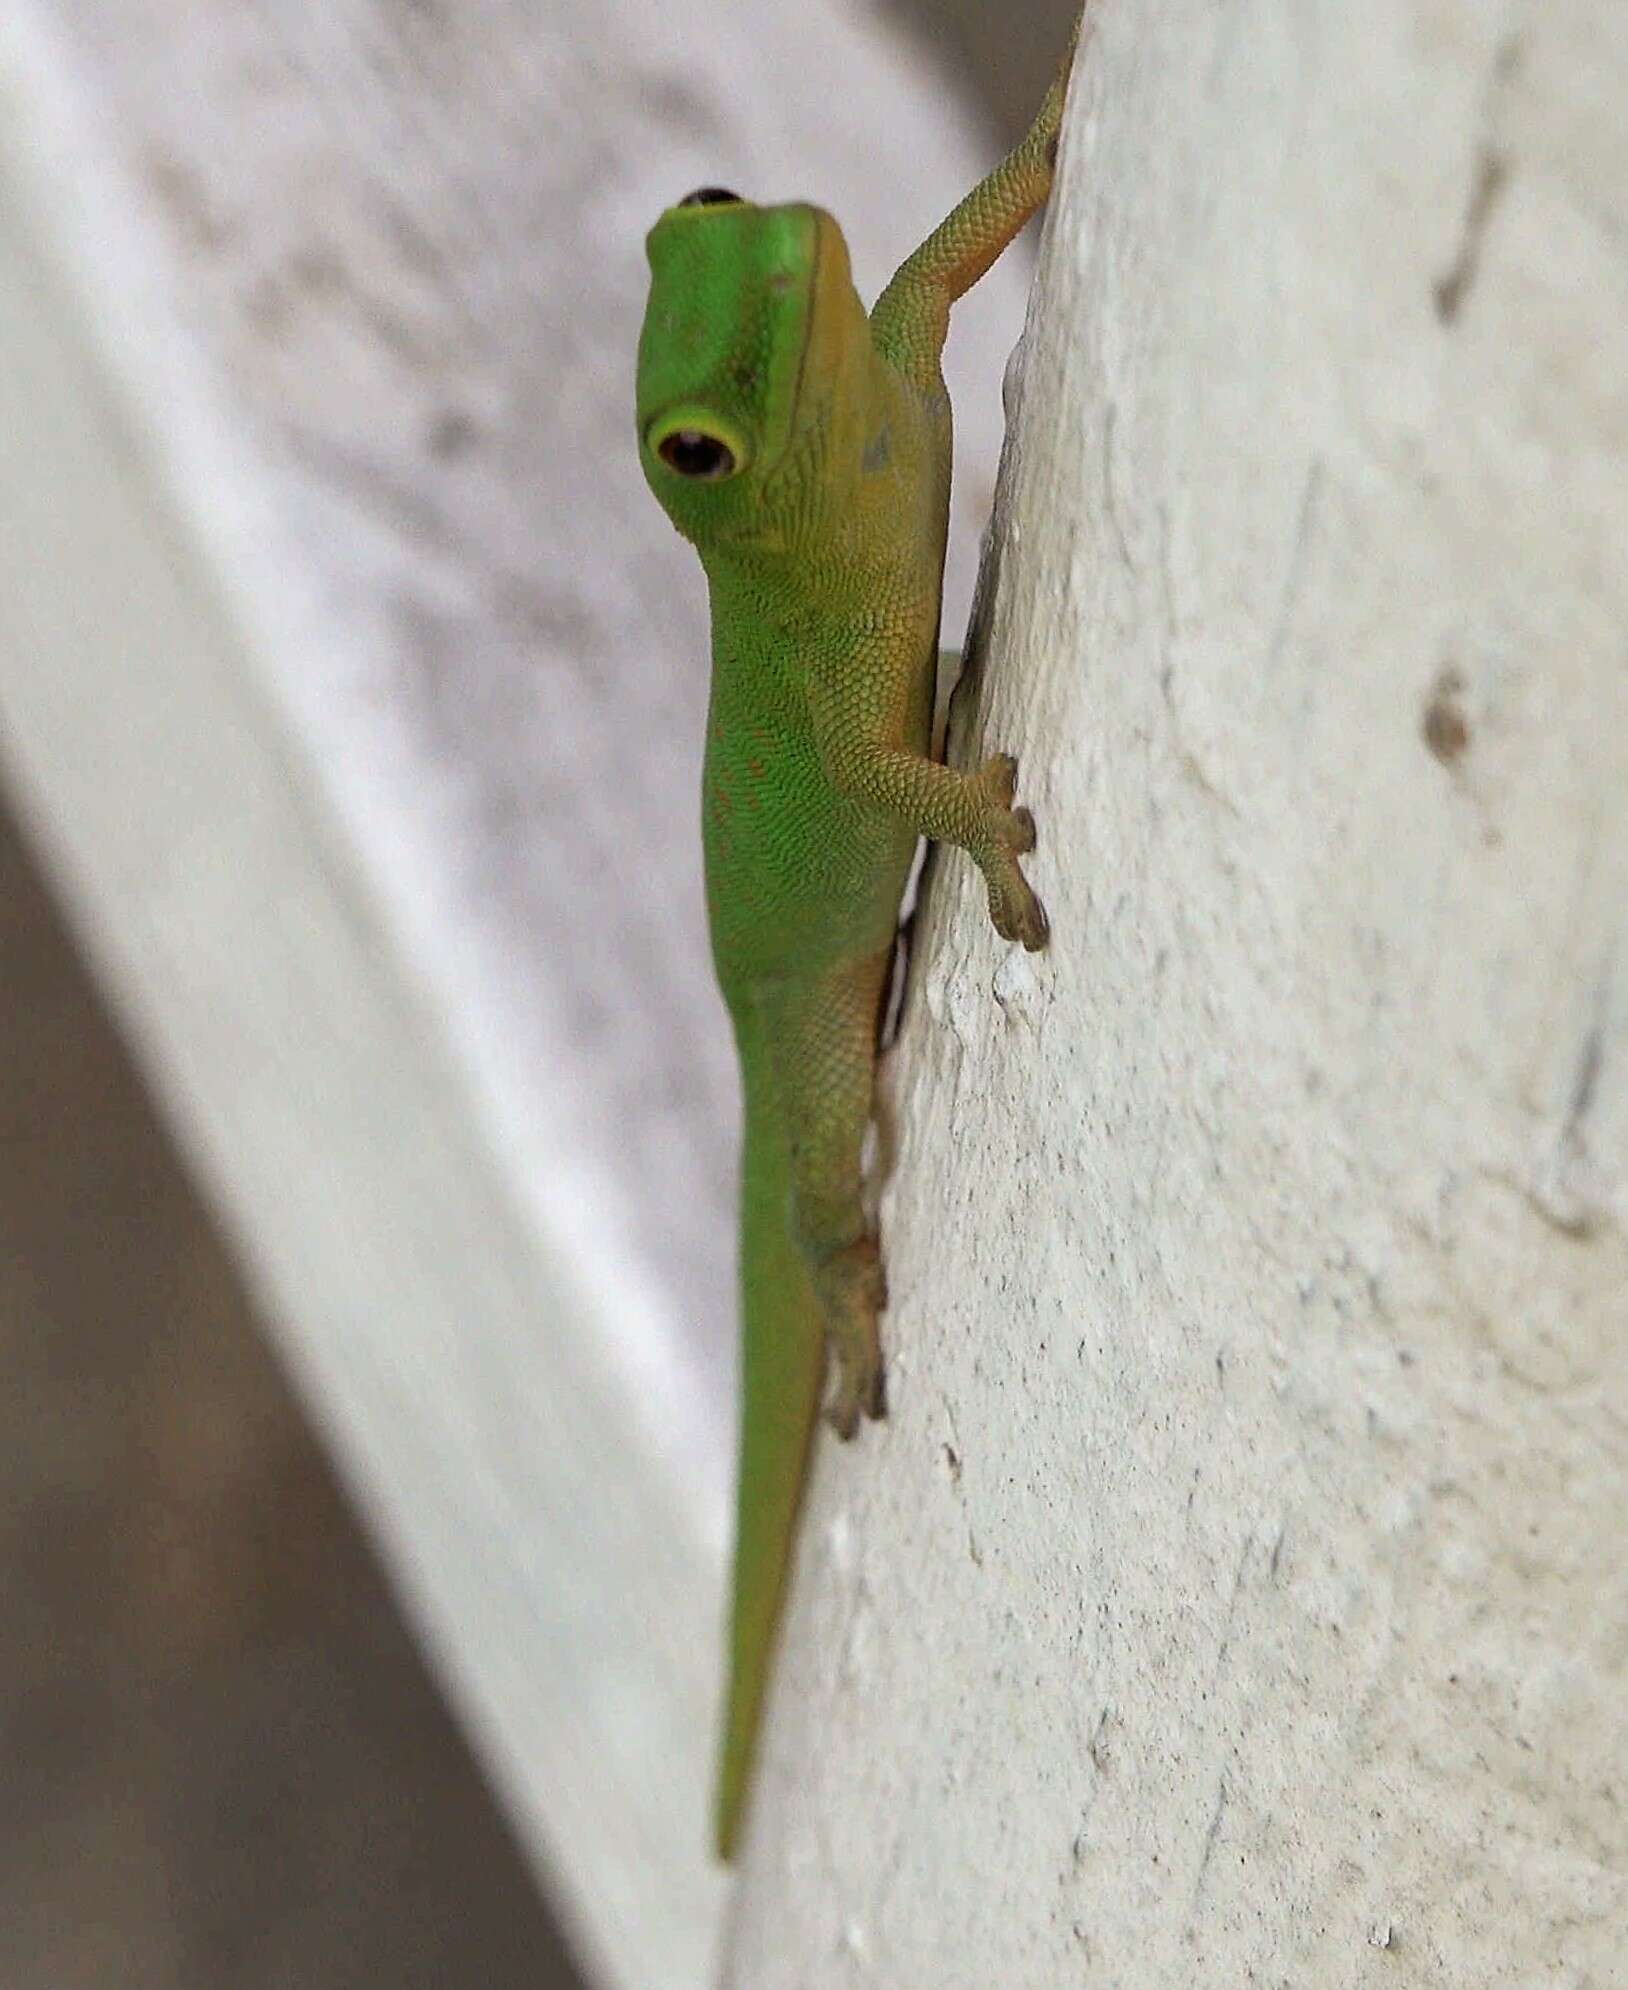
(693, 454)
(711, 197)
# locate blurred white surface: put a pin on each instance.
(355, 685)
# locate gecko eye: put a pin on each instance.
(711, 197)
(699, 443)
(693, 453)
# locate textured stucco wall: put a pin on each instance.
(1239, 1592)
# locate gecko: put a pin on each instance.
(803, 447)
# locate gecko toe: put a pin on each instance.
(857, 1396)
(853, 1291)
(843, 1417)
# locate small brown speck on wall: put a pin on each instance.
(1445, 727)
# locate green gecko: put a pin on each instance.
(804, 449)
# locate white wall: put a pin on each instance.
(1239, 1591)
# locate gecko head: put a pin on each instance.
(752, 337)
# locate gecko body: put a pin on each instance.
(804, 447)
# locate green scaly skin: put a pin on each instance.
(805, 450)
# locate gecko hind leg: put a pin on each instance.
(852, 1289)
(824, 1033)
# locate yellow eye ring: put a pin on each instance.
(696, 446)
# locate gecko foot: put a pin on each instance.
(1016, 911)
(853, 1291)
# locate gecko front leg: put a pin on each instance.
(973, 811)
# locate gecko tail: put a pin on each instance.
(783, 1370)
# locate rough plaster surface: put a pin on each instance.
(1239, 1591)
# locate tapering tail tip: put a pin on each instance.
(755, 1630)
(726, 1826)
